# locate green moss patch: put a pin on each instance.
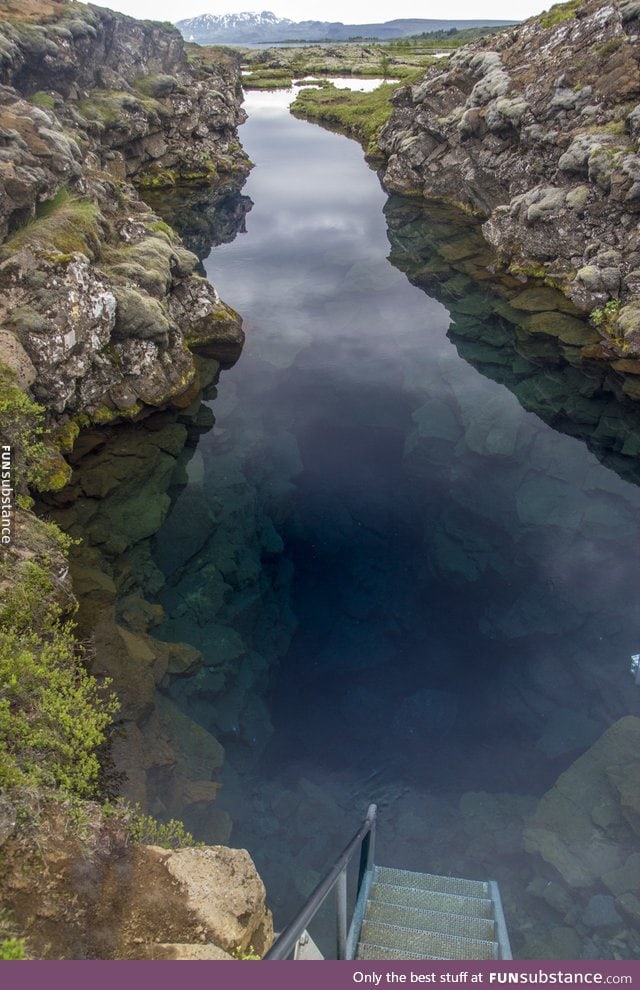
(63, 226)
(109, 108)
(268, 79)
(156, 86)
(559, 12)
(359, 115)
(43, 99)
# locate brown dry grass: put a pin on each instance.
(32, 10)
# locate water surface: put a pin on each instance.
(407, 587)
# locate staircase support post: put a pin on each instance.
(341, 914)
(367, 849)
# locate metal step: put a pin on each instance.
(368, 951)
(429, 881)
(431, 900)
(464, 925)
(426, 943)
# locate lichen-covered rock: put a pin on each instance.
(536, 130)
(91, 100)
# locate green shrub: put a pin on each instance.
(21, 427)
(168, 835)
(53, 714)
(12, 948)
(246, 955)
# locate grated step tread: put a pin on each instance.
(463, 925)
(427, 943)
(430, 881)
(432, 900)
(368, 951)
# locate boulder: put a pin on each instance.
(580, 826)
(222, 889)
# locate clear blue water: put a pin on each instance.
(406, 587)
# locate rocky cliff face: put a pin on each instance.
(537, 131)
(103, 319)
(86, 891)
(100, 307)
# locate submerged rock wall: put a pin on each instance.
(536, 130)
(585, 830)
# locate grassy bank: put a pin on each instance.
(358, 115)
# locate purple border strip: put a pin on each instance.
(132, 975)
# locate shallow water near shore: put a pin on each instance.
(422, 593)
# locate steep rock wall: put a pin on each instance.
(100, 304)
(537, 130)
(103, 319)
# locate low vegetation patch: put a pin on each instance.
(559, 12)
(359, 115)
(43, 99)
(168, 835)
(268, 79)
(437, 41)
(53, 714)
(370, 61)
(62, 225)
(12, 948)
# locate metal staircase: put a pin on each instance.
(422, 916)
(399, 914)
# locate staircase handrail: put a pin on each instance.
(363, 840)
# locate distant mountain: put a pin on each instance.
(251, 27)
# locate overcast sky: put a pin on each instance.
(347, 11)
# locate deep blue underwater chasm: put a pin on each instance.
(407, 549)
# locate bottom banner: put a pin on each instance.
(322, 975)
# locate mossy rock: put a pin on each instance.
(139, 316)
(628, 322)
(158, 86)
(56, 473)
(150, 280)
(72, 226)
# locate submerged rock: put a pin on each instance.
(427, 711)
(586, 829)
